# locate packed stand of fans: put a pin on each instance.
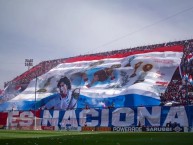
(178, 92)
(180, 89)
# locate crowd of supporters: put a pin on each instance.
(179, 91)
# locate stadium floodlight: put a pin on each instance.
(28, 63)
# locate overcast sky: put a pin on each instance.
(52, 29)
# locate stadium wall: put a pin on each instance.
(93, 119)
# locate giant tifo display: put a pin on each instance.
(119, 88)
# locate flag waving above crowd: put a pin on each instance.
(132, 80)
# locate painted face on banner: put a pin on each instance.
(62, 88)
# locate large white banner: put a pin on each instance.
(135, 80)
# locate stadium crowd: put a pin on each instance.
(178, 92)
(180, 89)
